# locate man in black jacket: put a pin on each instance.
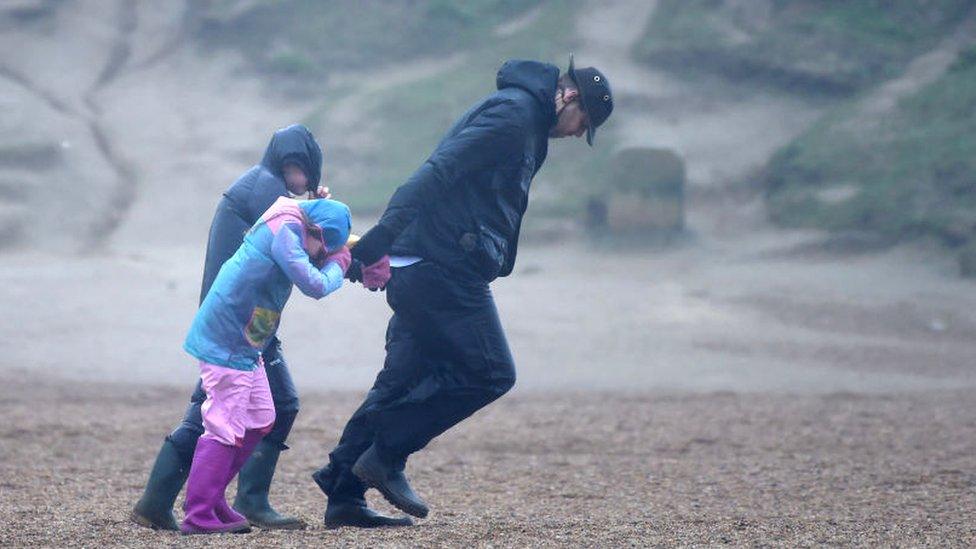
(450, 230)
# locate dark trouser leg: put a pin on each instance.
(464, 357)
(254, 480)
(400, 372)
(283, 393)
(185, 436)
(447, 357)
(462, 361)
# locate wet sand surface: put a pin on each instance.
(716, 392)
(536, 469)
(746, 385)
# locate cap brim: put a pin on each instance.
(590, 131)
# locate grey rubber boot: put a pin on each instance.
(155, 508)
(253, 485)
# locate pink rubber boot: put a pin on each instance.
(225, 512)
(209, 476)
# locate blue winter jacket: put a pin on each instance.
(242, 310)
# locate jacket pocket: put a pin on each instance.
(261, 326)
(487, 250)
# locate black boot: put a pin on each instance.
(357, 514)
(253, 484)
(347, 504)
(386, 475)
(155, 508)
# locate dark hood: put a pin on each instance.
(539, 79)
(297, 142)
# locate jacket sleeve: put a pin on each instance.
(288, 253)
(492, 136)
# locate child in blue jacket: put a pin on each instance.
(293, 243)
(292, 166)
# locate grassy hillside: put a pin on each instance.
(306, 40)
(902, 172)
(909, 172)
(806, 46)
(413, 117)
(315, 37)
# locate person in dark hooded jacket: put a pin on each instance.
(292, 167)
(449, 231)
(295, 243)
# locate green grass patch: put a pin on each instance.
(410, 119)
(310, 38)
(909, 172)
(300, 39)
(829, 46)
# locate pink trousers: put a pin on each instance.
(237, 401)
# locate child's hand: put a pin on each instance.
(323, 192)
(377, 275)
(342, 257)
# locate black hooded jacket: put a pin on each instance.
(255, 191)
(463, 207)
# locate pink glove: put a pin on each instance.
(342, 257)
(377, 275)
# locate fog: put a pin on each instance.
(120, 131)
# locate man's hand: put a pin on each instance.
(355, 271)
(373, 245)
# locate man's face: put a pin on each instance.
(572, 119)
(295, 179)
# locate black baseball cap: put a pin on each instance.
(595, 94)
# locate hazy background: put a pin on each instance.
(783, 200)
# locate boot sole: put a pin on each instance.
(377, 521)
(290, 524)
(238, 530)
(147, 523)
(336, 526)
(300, 525)
(363, 474)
